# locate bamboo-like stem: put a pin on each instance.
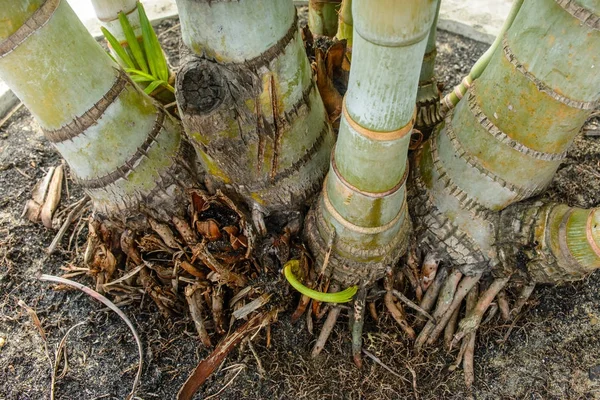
(108, 12)
(556, 243)
(428, 94)
(345, 24)
(363, 200)
(505, 141)
(121, 147)
(452, 98)
(323, 17)
(249, 103)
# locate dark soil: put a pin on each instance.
(552, 352)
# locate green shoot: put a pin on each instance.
(338, 297)
(144, 60)
(154, 53)
(119, 50)
(133, 43)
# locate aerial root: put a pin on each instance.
(473, 319)
(503, 305)
(524, 295)
(451, 329)
(330, 321)
(469, 342)
(444, 301)
(464, 287)
(358, 321)
(431, 295)
(395, 308)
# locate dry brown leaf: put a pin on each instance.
(53, 197)
(209, 229)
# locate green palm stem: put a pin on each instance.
(122, 148)
(428, 94)
(109, 13)
(505, 140)
(360, 221)
(451, 99)
(249, 103)
(323, 17)
(553, 243)
(345, 24)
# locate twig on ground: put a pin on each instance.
(74, 214)
(240, 368)
(412, 305)
(38, 325)
(414, 380)
(378, 361)
(207, 366)
(113, 307)
(10, 114)
(62, 351)
(524, 295)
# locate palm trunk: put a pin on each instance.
(428, 95)
(323, 17)
(124, 150)
(108, 12)
(553, 243)
(249, 103)
(507, 137)
(362, 213)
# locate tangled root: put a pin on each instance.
(199, 264)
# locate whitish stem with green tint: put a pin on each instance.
(323, 17)
(452, 98)
(121, 147)
(554, 243)
(505, 140)
(108, 12)
(248, 101)
(361, 213)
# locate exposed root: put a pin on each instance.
(396, 309)
(358, 321)
(503, 305)
(431, 295)
(451, 329)
(524, 295)
(429, 270)
(469, 343)
(443, 302)
(330, 321)
(471, 322)
(373, 311)
(463, 288)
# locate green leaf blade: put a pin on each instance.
(133, 43)
(156, 57)
(118, 49)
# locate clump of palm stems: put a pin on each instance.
(145, 62)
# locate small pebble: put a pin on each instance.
(595, 373)
(2, 342)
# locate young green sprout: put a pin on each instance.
(338, 297)
(145, 62)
